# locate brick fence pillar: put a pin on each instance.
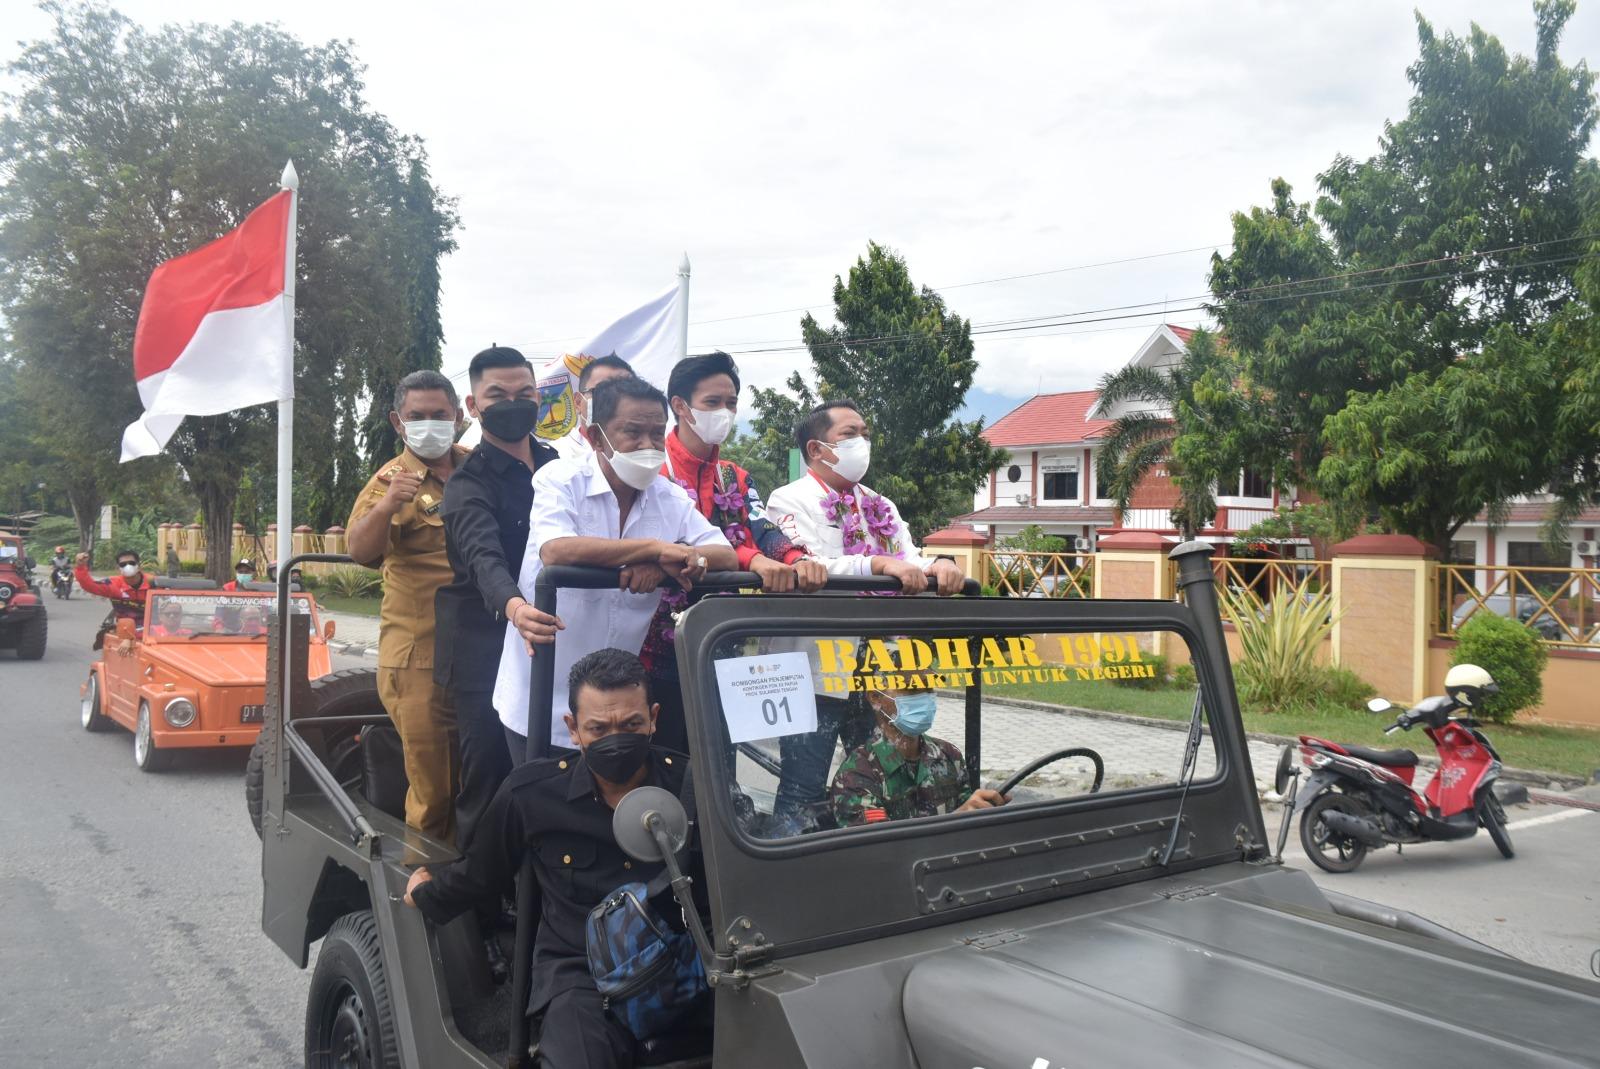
(1380, 596)
(1134, 565)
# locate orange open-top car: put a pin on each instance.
(195, 674)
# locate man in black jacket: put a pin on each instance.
(559, 809)
(486, 507)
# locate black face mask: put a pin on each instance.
(511, 420)
(618, 756)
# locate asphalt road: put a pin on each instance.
(130, 903)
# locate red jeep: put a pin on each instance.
(23, 626)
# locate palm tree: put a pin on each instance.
(1145, 438)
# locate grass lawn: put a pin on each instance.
(1572, 751)
(358, 606)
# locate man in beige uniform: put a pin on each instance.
(397, 523)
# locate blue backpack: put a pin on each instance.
(650, 975)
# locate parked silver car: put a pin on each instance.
(1529, 611)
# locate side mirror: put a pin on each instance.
(126, 628)
(642, 813)
(327, 631)
(1284, 771)
(1380, 705)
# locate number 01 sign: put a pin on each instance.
(767, 697)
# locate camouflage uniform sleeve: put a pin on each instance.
(857, 787)
(950, 776)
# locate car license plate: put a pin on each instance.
(252, 714)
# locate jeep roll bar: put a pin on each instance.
(541, 687)
(355, 822)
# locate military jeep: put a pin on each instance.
(1127, 907)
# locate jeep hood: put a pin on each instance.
(1219, 981)
(224, 663)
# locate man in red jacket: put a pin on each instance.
(704, 394)
(127, 591)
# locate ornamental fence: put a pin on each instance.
(1037, 575)
(1561, 604)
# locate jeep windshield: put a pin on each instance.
(206, 617)
(830, 732)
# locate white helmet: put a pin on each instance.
(1469, 685)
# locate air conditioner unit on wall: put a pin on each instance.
(1083, 544)
(1586, 548)
(1022, 498)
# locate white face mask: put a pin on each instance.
(855, 456)
(638, 468)
(430, 439)
(711, 425)
(130, 570)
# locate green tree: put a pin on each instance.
(900, 354)
(1033, 539)
(1392, 343)
(1177, 419)
(112, 157)
(745, 450)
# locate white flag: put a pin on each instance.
(650, 337)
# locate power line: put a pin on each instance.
(1073, 318)
(978, 282)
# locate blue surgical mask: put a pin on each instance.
(914, 713)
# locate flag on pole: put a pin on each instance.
(651, 338)
(215, 331)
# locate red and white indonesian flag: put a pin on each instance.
(214, 331)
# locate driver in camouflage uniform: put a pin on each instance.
(901, 771)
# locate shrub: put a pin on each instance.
(1510, 652)
(1279, 643)
(1155, 682)
(350, 582)
(1340, 686)
(1183, 677)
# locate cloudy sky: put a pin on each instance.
(592, 144)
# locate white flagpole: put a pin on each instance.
(291, 182)
(683, 307)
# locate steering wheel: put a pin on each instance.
(1050, 759)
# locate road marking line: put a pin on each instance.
(1549, 818)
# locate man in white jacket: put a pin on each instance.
(832, 515)
(852, 530)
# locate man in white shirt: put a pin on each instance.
(611, 509)
(574, 445)
(832, 515)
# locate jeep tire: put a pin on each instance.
(31, 641)
(349, 1016)
(91, 706)
(347, 692)
(146, 755)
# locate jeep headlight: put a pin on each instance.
(179, 712)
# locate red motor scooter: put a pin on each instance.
(1358, 798)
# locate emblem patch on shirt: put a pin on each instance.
(430, 507)
(557, 413)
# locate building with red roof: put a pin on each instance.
(1054, 481)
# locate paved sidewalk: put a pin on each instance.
(1135, 752)
(353, 634)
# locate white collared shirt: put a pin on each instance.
(573, 445)
(797, 510)
(572, 498)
